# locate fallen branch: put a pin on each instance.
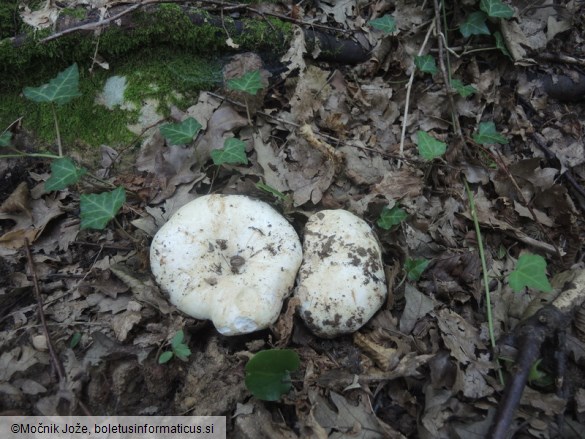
(546, 326)
(58, 366)
(125, 19)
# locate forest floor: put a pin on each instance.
(494, 161)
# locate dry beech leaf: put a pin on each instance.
(386, 358)
(284, 325)
(18, 201)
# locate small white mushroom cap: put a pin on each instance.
(341, 282)
(227, 258)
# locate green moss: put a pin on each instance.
(167, 26)
(170, 77)
(260, 35)
(164, 57)
(81, 120)
(10, 21)
(79, 13)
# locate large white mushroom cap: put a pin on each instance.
(341, 282)
(227, 258)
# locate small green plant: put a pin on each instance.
(426, 64)
(428, 147)
(386, 24)
(182, 132)
(530, 272)
(59, 90)
(538, 376)
(232, 153)
(96, 210)
(178, 349)
(75, 339)
(5, 138)
(268, 373)
(63, 173)
(462, 89)
(270, 190)
(476, 22)
(501, 44)
(415, 268)
(496, 9)
(250, 83)
(391, 217)
(487, 134)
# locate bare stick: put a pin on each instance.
(91, 26)
(409, 88)
(54, 358)
(446, 75)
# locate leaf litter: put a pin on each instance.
(423, 367)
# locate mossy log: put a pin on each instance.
(144, 26)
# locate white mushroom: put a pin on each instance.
(341, 283)
(227, 258)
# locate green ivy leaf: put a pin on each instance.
(96, 210)
(386, 24)
(5, 138)
(75, 340)
(415, 268)
(474, 25)
(269, 189)
(232, 153)
(61, 89)
(487, 134)
(463, 90)
(428, 147)
(165, 357)
(182, 132)
(530, 272)
(426, 64)
(250, 83)
(501, 44)
(391, 217)
(496, 9)
(268, 373)
(178, 338)
(63, 173)
(182, 351)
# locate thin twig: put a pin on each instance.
(409, 89)
(535, 243)
(54, 358)
(105, 247)
(95, 25)
(124, 232)
(560, 58)
(445, 73)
